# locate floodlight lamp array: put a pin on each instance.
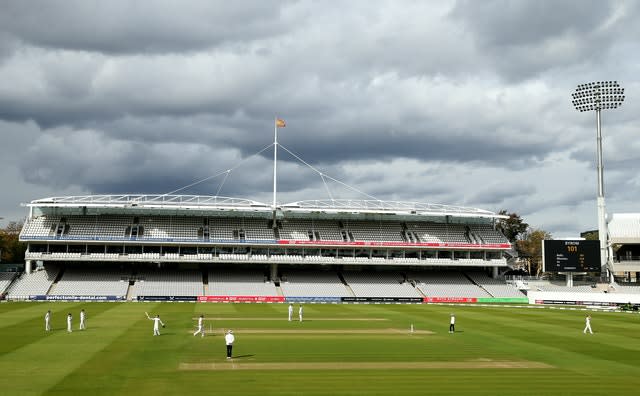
(600, 95)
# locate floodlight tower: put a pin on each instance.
(598, 96)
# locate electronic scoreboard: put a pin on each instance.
(571, 256)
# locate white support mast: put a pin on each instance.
(275, 161)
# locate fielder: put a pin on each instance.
(452, 324)
(82, 318)
(69, 317)
(587, 326)
(300, 313)
(229, 339)
(290, 312)
(47, 321)
(200, 327)
(156, 324)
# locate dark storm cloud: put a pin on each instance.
(523, 39)
(117, 27)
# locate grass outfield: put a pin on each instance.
(337, 350)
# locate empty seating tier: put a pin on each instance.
(379, 284)
(237, 229)
(168, 283)
(35, 283)
(446, 284)
(299, 283)
(240, 282)
(92, 282)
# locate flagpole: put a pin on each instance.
(275, 160)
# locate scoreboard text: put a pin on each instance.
(571, 256)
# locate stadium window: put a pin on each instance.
(328, 252)
(170, 250)
(460, 255)
(311, 252)
(276, 252)
(77, 248)
(428, 254)
(38, 248)
(132, 249)
(259, 251)
(294, 252)
(241, 250)
(205, 250)
(114, 249)
(188, 250)
(411, 254)
(57, 248)
(151, 249)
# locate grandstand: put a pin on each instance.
(624, 236)
(5, 280)
(144, 247)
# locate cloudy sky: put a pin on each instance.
(454, 102)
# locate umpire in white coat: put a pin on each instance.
(229, 340)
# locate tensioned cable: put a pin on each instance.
(222, 183)
(327, 176)
(216, 175)
(326, 186)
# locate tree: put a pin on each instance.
(10, 246)
(590, 235)
(511, 227)
(529, 247)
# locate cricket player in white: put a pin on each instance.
(200, 327)
(82, 318)
(290, 312)
(156, 324)
(69, 323)
(587, 326)
(452, 324)
(300, 313)
(47, 321)
(229, 339)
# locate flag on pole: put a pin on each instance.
(280, 123)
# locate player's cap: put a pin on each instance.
(230, 331)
